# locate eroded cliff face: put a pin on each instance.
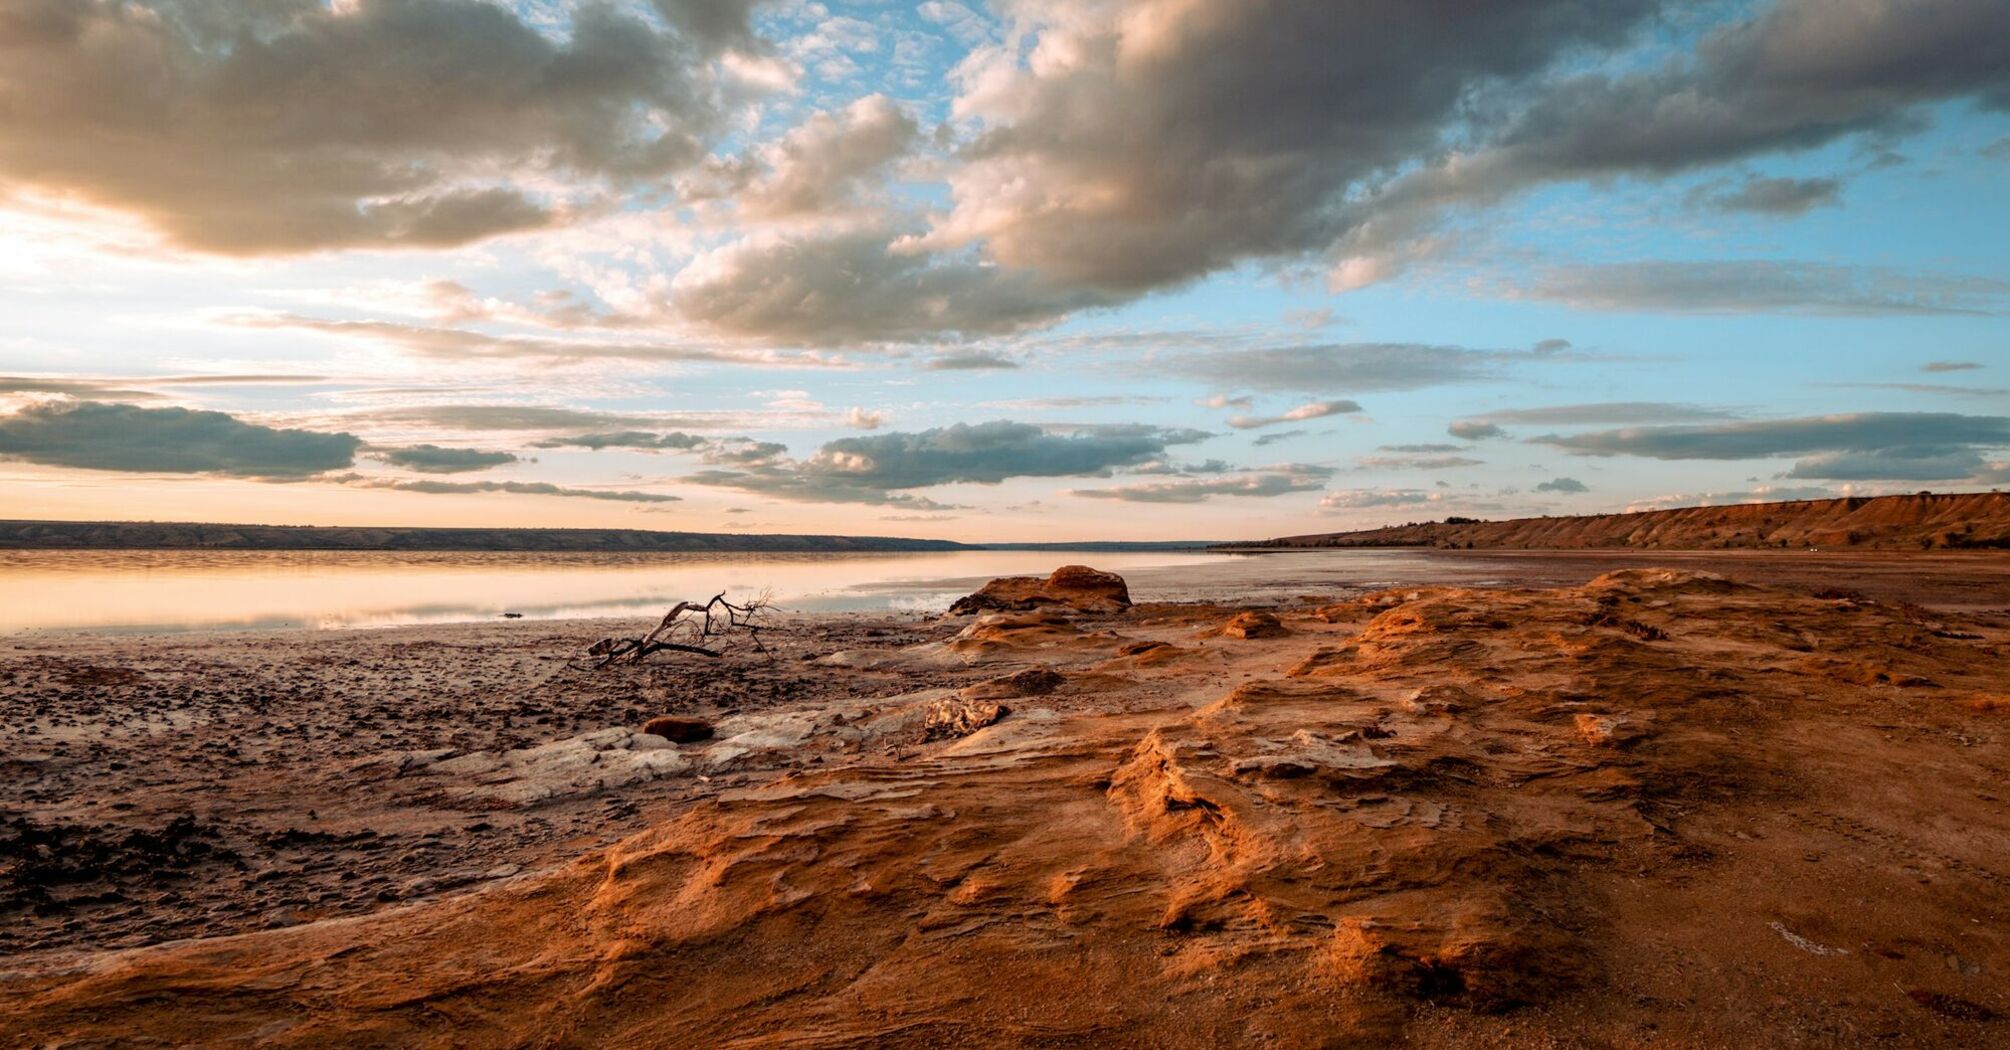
(1662, 808)
(1920, 522)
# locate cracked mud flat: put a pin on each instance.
(1658, 808)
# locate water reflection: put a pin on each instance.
(178, 590)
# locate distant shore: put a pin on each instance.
(170, 535)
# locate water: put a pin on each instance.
(187, 590)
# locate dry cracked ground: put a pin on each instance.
(1658, 809)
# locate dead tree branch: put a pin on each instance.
(687, 628)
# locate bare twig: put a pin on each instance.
(692, 624)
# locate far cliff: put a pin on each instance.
(1926, 521)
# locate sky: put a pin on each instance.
(1031, 270)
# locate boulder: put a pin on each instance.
(1254, 623)
(679, 730)
(1071, 586)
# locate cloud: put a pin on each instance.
(1929, 388)
(864, 419)
(1473, 430)
(1341, 367)
(1426, 448)
(1315, 410)
(971, 361)
(519, 417)
(72, 387)
(460, 344)
(1416, 462)
(676, 440)
(1572, 415)
(1276, 436)
(1853, 446)
(852, 286)
(521, 488)
(1280, 481)
(1763, 494)
(819, 166)
(877, 468)
(1782, 196)
(1950, 366)
(100, 436)
(1797, 75)
(1363, 499)
(1562, 485)
(432, 459)
(1132, 147)
(1756, 286)
(295, 126)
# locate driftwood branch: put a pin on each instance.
(687, 628)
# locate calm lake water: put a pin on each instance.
(183, 590)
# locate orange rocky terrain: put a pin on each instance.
(1661, 808)
(1959, 521)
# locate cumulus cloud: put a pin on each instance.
(865, 419)
(1853, 446)
(1562, 485)
(820, 165)
(1315, 410)
(432, 459)
(853, 286)
(1277, 481)
(1754, 286)
(878, 468)
(296, 125)
(1132, 146)
(104, 436)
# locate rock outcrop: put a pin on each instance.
(1076, 587)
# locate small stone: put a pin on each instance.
(953, 718)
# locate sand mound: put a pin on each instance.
(1484, 818)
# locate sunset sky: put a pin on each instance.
(1026, 270)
